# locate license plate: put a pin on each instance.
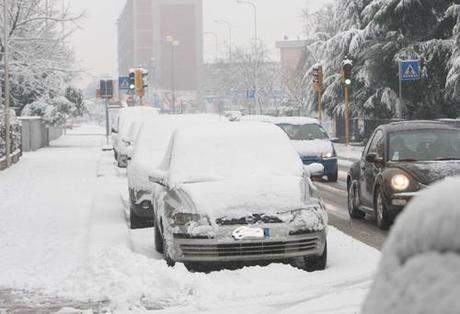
(246, 233)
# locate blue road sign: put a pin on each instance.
(409, 70)
(251, 94)
(123, 83)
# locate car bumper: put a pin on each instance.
(330, 164)
(224, 248)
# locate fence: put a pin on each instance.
(16, 141)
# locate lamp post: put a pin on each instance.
(174, 44)
(230, 51)
(216, 38)
(7, 83)
(256, 50)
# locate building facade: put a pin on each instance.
(143, 27)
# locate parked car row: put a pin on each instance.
(220, 192)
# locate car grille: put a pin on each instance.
(249, 249)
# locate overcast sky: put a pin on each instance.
(96, 42)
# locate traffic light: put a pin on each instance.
(139, 80)
(318, 78)
(347, 67)
(132, 81)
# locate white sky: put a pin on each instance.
(96, 42)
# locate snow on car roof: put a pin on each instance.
(419, 270)
(231, 150)
(257, 118)
(295, 120)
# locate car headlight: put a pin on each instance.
(400, 182)
(182, 219)
(328, 155)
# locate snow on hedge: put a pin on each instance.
(15, 133)
(420, 267)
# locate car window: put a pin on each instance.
(377, 144)
(304, 132)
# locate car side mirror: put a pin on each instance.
(373, 158)
(314, 170)
(158, 177)
(114, 130)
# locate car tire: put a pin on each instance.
(166, 256)
(136, 222)
(381, 213)
(334, 177)
(353, 205)
(314, 263)
(115, 154)
(158, 240)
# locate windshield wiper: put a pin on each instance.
(405, 160)
(447, 158)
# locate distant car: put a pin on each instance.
(400, 160)
(237, 192)
(312, 143)
(149, 149)
(125, 128)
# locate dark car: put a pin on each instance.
(399, 160)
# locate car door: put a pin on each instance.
(369, 171)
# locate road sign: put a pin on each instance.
(409, 70)
(123, 83)
(107, 89)
(251, 94)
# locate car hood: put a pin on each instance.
(312, 148)
(429, 172)
(242, 197)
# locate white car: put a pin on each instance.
(125, 129)
(149, 149)
(237, 192)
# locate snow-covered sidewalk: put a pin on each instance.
(64, 234)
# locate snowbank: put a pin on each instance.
(420, 267)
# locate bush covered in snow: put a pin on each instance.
(15, 133)
(420, 267)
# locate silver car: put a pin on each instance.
(237, 193)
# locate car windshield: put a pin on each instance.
(304, 132)
(424, 145)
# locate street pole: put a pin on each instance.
(107, 129)
(256, 50)
(230, 49)
(320, 105)
(347, 115)
(399, 106)
(173, 80)
(7, 84)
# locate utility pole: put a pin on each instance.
(318, 84)
(347, 67)
(7, 83)
(174, 43)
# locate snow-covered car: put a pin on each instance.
(149, 149)
(312, 143)
(420, 267)
(125, 129)
(401, 159)
(237, 192)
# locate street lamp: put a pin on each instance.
(229, 37)
(174, 44)
(217, 43)
(256, 38)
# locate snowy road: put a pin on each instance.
(65, 241)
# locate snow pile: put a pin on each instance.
(245, 196)
(232, 150)
(152, 142)
(420, 267)
(295, 120)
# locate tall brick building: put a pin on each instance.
(142, 30)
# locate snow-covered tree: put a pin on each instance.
(376, 34)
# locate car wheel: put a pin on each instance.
(334, 177)
(314, 263)
(158, 240)
(136, 222)
(115, 154)
(381, 212)
(353, 203)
